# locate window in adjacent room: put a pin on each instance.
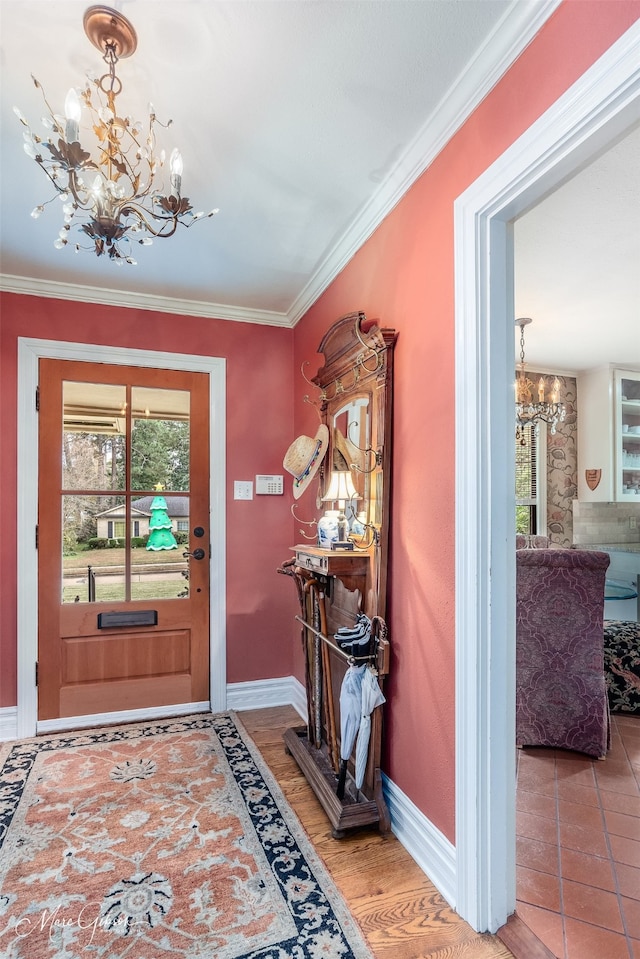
(531, 481)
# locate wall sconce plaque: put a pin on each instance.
(593, 478)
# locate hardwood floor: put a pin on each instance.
(400, 912)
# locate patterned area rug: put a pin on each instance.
(159, 839)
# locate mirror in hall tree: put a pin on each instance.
(350, 440)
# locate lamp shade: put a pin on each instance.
(341, 487)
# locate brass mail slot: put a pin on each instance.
(137, 617)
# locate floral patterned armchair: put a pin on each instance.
(561, 695)
(622, 665)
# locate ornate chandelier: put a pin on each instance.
(112, 196)
(528, 411)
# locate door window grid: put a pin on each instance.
(126, 438)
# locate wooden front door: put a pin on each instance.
(123, 538)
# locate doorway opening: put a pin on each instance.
(600, 108)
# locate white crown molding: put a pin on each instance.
(30, 286)
(512, 34)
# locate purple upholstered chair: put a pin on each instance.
(561, 695)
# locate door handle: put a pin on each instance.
(197, 553)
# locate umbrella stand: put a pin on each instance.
(346, 811)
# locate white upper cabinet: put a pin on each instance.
(609, 435)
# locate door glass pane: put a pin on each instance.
(159, 439)
(93, 557)
(158, 568)
(93, 451)
(99, 527)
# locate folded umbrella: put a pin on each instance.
(356, 640)
(350, 713)
(371, 696)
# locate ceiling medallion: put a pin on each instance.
(111, 188)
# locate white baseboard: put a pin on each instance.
(8, 723)
(432, 851)
(122, 716)
(286, 691)
(261, 693)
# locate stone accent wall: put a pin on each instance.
(562, 463)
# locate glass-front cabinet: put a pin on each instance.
(609, 435)
(627, 435)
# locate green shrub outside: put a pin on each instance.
(137, 542)
(98, 542)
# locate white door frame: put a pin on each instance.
(597, 110)
(30, 351)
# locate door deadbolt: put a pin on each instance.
(197, 553)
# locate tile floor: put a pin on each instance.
(578, 847)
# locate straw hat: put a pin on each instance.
(303, 458)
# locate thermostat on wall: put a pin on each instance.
(271, 485)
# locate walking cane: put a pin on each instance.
(328, 686)
(311, 586)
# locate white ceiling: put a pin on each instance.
(577, 267)
(305, 121)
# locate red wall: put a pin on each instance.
(404, 275)
(260, 604)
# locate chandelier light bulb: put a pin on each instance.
(72, 108)
(175, 165)
(114, 184)
(176, 162)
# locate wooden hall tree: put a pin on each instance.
(343, 586)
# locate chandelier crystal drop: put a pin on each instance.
(530, 411)
(112, 192)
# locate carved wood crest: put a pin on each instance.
(593, 478)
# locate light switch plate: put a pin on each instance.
(242, 489)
